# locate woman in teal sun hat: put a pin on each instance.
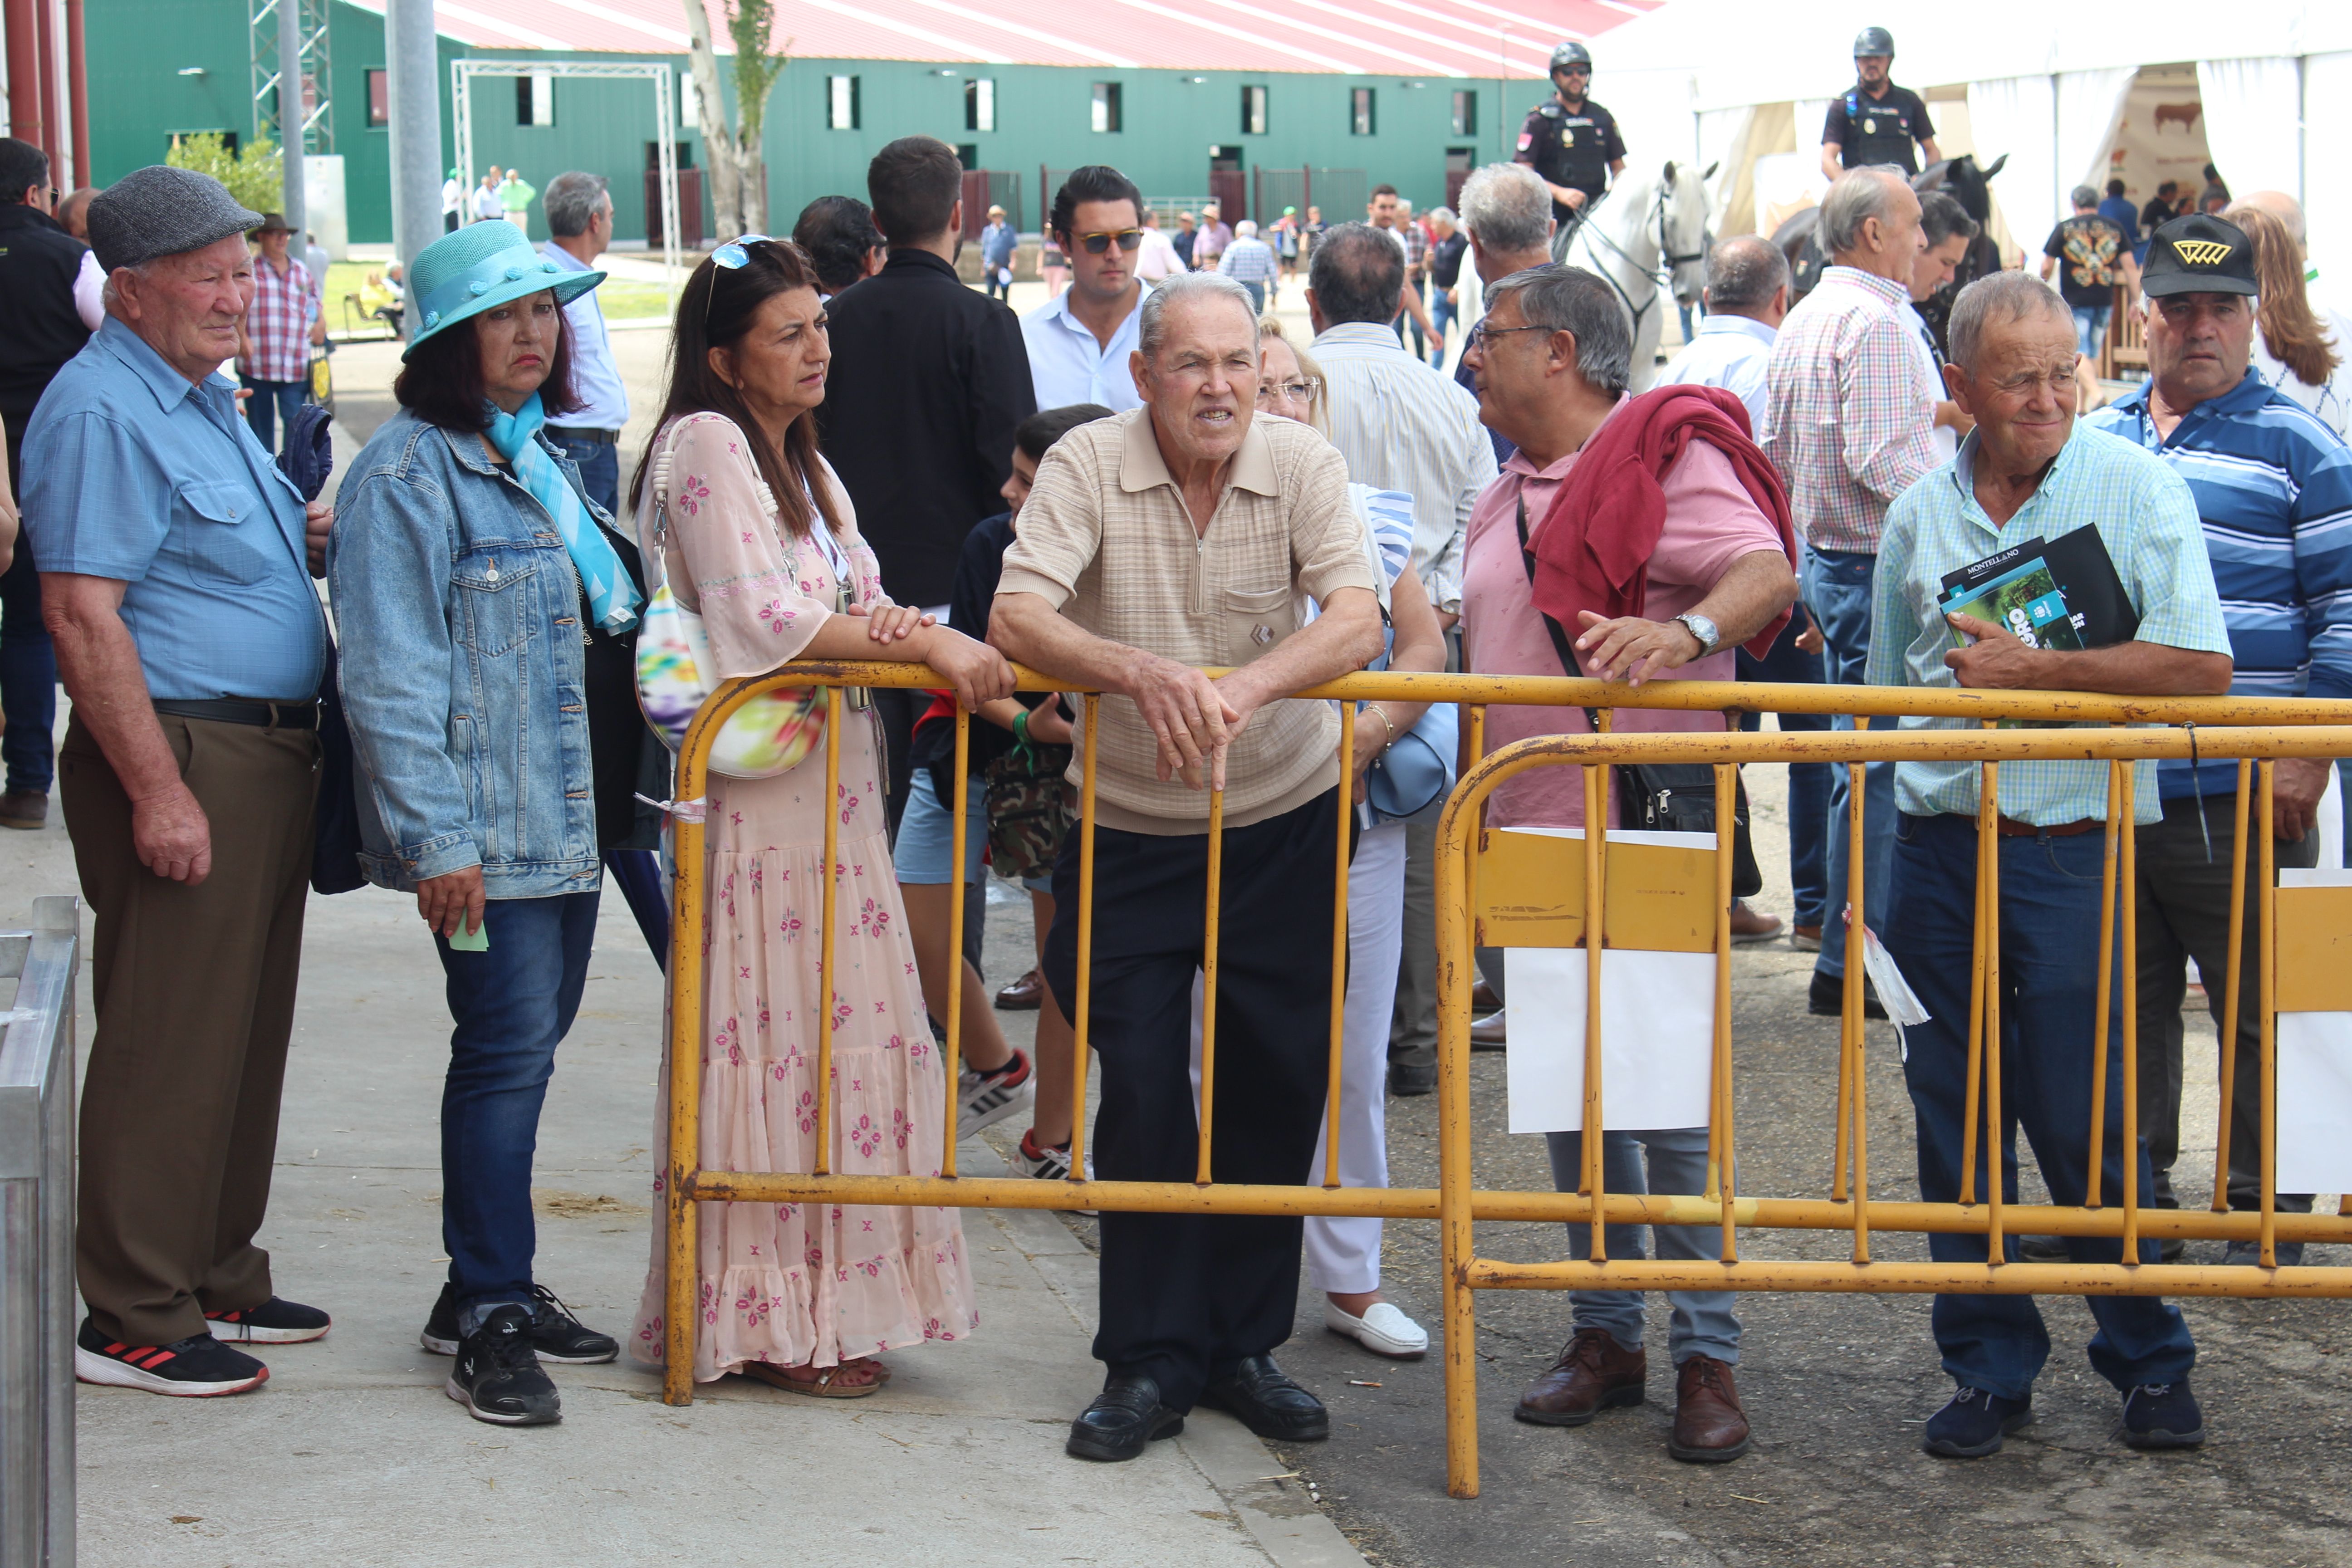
(487, 612)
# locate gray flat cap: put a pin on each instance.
(163, 211)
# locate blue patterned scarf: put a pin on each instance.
(613, 599)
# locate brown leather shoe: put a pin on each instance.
(1709, 1426)
(1594, 1373)
(1024, 995)
(1752, 925)
(1487, 1034)
(1482, 998)
(24, 808)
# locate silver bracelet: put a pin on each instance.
(1374, 709)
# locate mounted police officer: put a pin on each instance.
(1875, 121)
(1572, 143)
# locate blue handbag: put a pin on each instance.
(1410, 781)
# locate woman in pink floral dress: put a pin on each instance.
(759, 538)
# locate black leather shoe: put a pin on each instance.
(1125, 1415)
(1262, 1396)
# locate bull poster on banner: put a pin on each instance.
(2160, 136)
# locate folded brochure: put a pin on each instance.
(2063, 593)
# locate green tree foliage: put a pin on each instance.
(748, 23)
(254, 173)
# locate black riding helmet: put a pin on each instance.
(1869, 41)
(1570, 54)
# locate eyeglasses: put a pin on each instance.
(1300, 390)
(1100, 241)
(1482, 332)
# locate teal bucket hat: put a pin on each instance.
(480, 267)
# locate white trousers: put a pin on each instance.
(1343, 1254)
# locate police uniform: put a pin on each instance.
(1572, 147)
(1878, 130)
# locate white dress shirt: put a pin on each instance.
(1946, 439)
(1729, 352)
(604, 401)
(1404, 427)
(1067, 364)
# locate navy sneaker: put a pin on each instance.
(2249, 1254)
(555, 1334)
(2162, 1415)
(276, 1321)
(1974, 1424)
(498, 1377)
(198, 1367)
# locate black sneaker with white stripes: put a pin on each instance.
(198, 1367)
(988, 1098)
(555, 1333)
(276, 1321)
(498, 1377)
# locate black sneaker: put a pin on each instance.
(198, 1367)
(2249, 1254)
(1827, 998)
(276, 1321)
(555, 1333)
(498, 1378)
(2161, 1415)
(1974, 1424)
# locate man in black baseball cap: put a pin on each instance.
(2270, 482)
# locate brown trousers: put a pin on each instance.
(195, 990)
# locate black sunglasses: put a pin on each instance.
(1100, 241)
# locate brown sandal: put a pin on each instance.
(822, 1386)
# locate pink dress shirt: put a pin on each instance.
(1710, 523)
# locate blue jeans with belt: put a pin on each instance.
(513, 1004)
(271, 400)
(2050, 895)
(1836, 588)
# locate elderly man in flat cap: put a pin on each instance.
(175, 580)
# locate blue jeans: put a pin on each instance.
(2050, 895)
(270, 400)
(28, 665)
(1441, 316)
(1808, 783)
(599, 468)
(1703, 1321)
(1836, 589)
(513, 1004)
(2090, 327)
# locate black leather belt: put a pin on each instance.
(582, 432)
(297, 715)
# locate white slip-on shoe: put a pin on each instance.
(1382, 1329)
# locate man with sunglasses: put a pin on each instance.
(1569, 141)
(1080, 340)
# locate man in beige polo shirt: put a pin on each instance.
(1176, 535)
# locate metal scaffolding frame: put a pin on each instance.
(317, 124)
(461, 76)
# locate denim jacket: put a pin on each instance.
(461, 670)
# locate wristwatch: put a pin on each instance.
(1710, 635)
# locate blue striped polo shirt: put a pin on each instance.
(2273, 489)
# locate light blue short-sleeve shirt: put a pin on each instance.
(133, 473)
(2146, 518)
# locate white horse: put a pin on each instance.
(1647, 224)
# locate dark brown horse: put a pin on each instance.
(1958, 176)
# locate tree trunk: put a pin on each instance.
(718, 131)
(752, 177)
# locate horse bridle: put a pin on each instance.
(1659, 277)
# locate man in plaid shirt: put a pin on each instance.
(1848, 418)
(281, 326)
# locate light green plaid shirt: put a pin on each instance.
(2146, 518)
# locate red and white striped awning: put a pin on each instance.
(1355, 38)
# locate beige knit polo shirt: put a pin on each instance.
(1106, 539)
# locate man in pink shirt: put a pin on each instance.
(1550, 364)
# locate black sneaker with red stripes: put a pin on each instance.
(198, 1367)
(276, 1321)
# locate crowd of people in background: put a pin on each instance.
(1146, 476)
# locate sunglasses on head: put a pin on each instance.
(734, 255)
(1100, 241)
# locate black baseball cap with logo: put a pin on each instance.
(2199, 255)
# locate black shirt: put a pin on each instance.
(928, 380)
(1446, 260)
(1878, 130)
(2087, 247)
(39, 327)
(978, 571)
(1572, 147)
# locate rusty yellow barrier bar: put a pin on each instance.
(954, 1062)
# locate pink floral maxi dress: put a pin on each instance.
(794, 1283)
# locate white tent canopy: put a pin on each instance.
(2046, 85)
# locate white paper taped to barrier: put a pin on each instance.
(1657, 1038)
(2315, 1080)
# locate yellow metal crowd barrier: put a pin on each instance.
(1477, 886)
